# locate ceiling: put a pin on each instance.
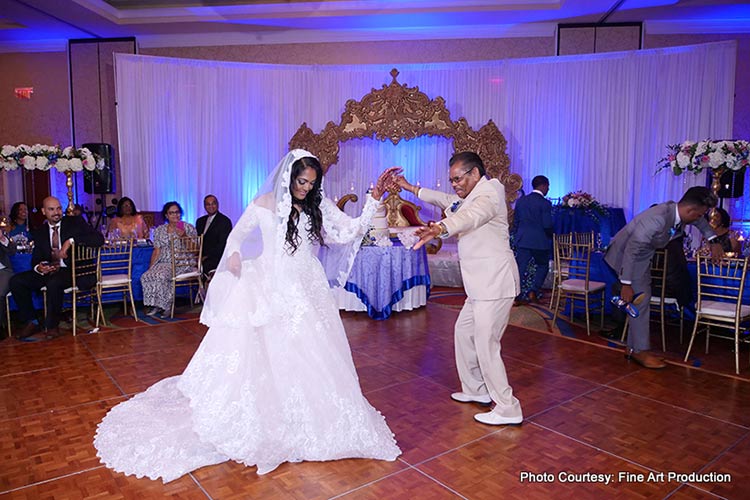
(38, 25)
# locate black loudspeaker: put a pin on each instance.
(732, 183)
(100, 181)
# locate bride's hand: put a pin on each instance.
(385, 179)
(235, 264)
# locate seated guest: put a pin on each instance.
(215, 228)
(720, 222)
(19, 220)
(127, 221)
(157, 281)
(51, 263)
(7, 248)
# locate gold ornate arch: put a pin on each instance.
(395, 112)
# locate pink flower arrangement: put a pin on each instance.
(43, 157)
(697, 156)
(578, 199)
(585, 201)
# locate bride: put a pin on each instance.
(273, 380)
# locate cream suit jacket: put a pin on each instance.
(480, 222)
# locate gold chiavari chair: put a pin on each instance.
(114, 274)
(558, 241)
(659, 299)
(588, 238)
(83, 269)
(7, 313)
(720, 304)
(574, 267)
(187, 253)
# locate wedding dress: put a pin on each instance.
(273, 380)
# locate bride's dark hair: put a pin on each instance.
(310, 205)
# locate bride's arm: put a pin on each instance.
(249, 220)
(339, 227)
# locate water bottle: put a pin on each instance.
(628, 307)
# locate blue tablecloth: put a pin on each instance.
(576, 220)
(141, 260)
(381, 275)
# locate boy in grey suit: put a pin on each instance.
(633, 247)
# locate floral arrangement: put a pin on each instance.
(41, 157)
(585, 201)
(696, 156)
(578, 199)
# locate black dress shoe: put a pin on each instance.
(28, 330)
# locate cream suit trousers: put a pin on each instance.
(479, 328)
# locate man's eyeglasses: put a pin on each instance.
(457, 179)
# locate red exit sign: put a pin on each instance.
(24, 92)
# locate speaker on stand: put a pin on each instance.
(731, 184)
(102, 181)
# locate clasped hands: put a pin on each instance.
(386, 181)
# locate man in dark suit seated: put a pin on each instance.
(215, 228)
(51, 266)
(533, 222)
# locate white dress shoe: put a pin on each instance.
(492, 418)
(462, 397)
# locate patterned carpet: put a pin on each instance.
(538, 317)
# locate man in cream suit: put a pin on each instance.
(631, 250)
(478, 217)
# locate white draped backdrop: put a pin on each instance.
(597, 122)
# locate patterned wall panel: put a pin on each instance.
(416, 51)
(576, 41)
(618, 38)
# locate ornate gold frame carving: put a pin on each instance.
(395, 112)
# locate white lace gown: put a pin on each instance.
(273, 380)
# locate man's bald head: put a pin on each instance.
(52, 210)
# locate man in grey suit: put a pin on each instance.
(478, 216)
(633, 247)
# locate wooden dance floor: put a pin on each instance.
(590, 417)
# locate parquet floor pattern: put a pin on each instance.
(587, 411)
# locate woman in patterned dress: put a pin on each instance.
(157, 281)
